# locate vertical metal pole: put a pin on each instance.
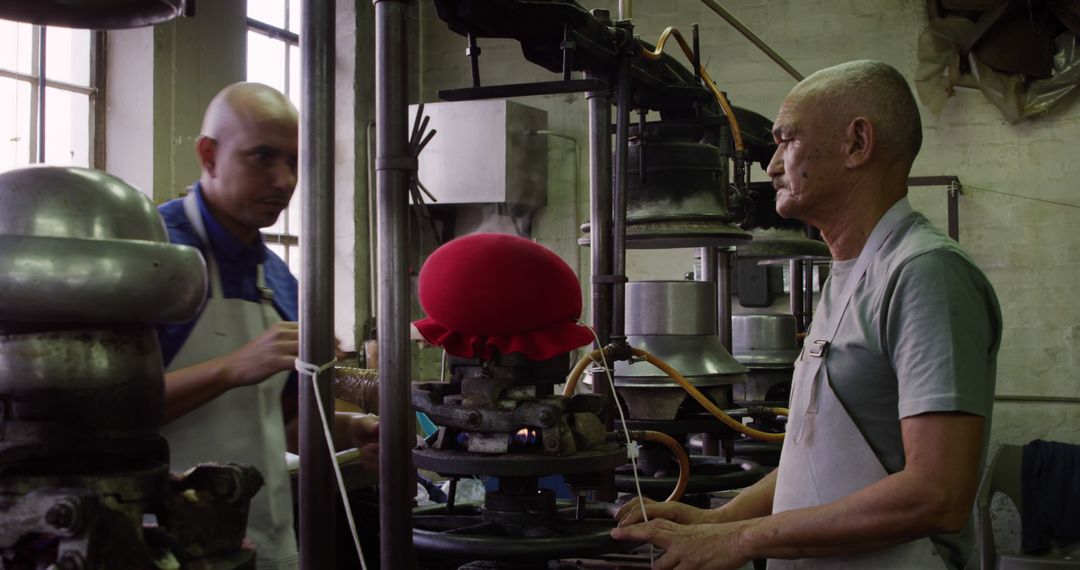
(808, 293)
(619, 191)
(317, 497)
(396, 433)
(954, 211)
(795, 292)
(708, 274)
(723, 296)
(600, 184)
(41, 94)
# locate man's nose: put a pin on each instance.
(776, 165)
(285, 175)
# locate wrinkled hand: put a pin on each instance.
(630, 513)
(363, 433)
(697, 547)
(271, 352)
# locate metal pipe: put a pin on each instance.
(754, 39)
(808, 293)
(723, 296)
(42, 82)
(708, 274)
(625, 9)
(600, 250)
(795, 292)
(393, 165)
(316, 493)
(619, 191)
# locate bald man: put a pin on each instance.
(227, 370)
(892, 394)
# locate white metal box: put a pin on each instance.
(485, 152)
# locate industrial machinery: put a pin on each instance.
(85, 269)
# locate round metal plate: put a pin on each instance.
(703, 423)
(607, 456)
(465, 535)
(676, 234)
(707, 475)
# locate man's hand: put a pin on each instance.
(681, 513)
(698, 547)
(271, 352)
(362, 432)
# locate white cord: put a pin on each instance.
(314, 370)
(631, 447)
(442, 367)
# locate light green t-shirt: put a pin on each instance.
(920, 335)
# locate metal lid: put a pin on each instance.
(764, 340)
(80, 245)
(670, 308)
(701, 359)
(95, 14)
(782, 243)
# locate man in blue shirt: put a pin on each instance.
(227, 370)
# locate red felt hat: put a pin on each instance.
(494, 292)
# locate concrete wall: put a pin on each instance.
(160, 81)
(1026, 247)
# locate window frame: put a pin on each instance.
(289, 238)
(95, 93)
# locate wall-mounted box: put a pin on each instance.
(485, 152)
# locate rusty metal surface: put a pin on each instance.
(358, 386)
(452, 462)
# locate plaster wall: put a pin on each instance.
(1027, 247)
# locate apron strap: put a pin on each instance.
(818, 347)
(194, 216)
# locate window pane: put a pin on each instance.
(295, 18)
(294, 260)
(277, 249)
(67, 55)
(270, 11)
(293, 213)
(16, 46)
(266, 61)
(67, 128)
(295, 79)
(14, 123)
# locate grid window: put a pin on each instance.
(273, 58)
(59, 127)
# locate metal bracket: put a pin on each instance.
(954, 188)
(408, 163)
(522, 89)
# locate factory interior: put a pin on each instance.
(535, 302)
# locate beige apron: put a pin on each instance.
(825, 457)
(243, 425)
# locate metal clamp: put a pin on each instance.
(819, 348)
(408, 163)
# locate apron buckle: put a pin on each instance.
(819, 348)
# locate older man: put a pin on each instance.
(892, 394)
(227, 369)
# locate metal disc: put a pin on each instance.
(707, 475)
(464, 535)
(452, 462)
(677, 234)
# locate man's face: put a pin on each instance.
(256, 169)
(807, 161)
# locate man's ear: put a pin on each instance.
(206, 151)
(860, 142)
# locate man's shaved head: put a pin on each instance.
(870, 89)
(242, 102)
(248, 152)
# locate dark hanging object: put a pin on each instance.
(95, 14)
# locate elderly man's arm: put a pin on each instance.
(932, 495)
(755, 501)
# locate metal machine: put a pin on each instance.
(85, 269)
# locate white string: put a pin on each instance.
(314, 370)
(626, 433)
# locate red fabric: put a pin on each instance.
(494, 291)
